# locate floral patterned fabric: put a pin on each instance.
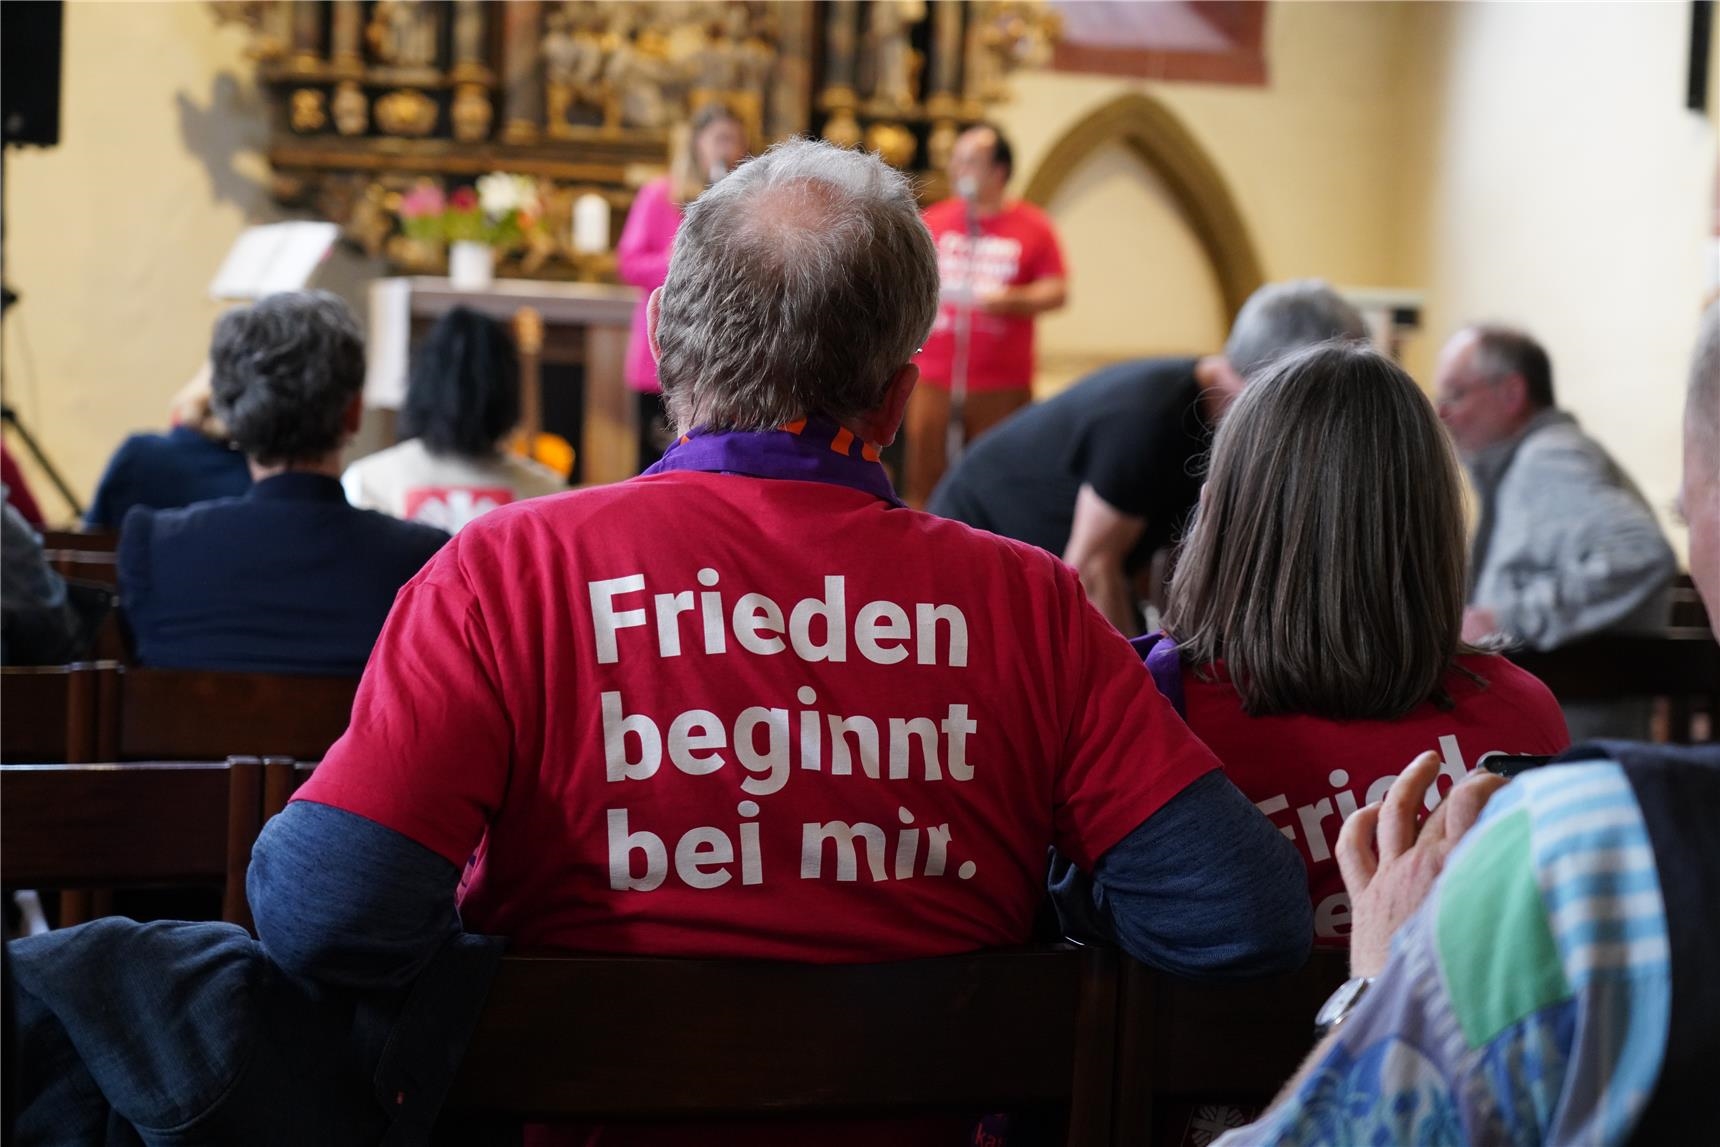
(1527, 1002)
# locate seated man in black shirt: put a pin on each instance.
(1105, 474)
(288, 578)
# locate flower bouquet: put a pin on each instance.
(501, 213)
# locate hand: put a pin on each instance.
(995, 301)
(1479, 623)
(1387, 886)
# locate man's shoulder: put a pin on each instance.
(1030, 214)
(1563, 443)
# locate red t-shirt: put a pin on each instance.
(711, 715)
(1017, 245)
(1308, 774)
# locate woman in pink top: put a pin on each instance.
(716, 143)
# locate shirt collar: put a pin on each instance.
(298, 486)
(806, 450)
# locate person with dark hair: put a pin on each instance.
(1311, 629)
(1001, 267)
(1565, 545)
(1106, 474)
(289, 577)
(463, 399)
(193, 462)
(714, 143)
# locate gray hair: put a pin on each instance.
(1702, 401)
(798, 285)
(1282, 317)
(283, 372)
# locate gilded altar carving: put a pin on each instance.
(406, 112)
(584, 95)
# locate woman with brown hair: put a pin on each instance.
(1311, 633)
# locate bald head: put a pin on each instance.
(799, 285)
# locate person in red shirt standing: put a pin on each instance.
(1313, 623)
(1000, 268)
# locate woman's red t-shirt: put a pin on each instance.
(1308, 774)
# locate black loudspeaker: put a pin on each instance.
(1701, 33)
(31, 35)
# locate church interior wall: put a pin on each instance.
(1528, 163)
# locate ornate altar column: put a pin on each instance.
(347, 24)
(307, 37)
(469, 28)
(521, 78)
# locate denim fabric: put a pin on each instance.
(178, 1034)
(1205, 888)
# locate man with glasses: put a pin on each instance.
(1566, 546)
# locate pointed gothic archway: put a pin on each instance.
(1154, 135)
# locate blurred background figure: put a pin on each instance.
(1001, 267)
(1565, 544)
(1105, 474)
(289, 578)
(715, 144)
(192, 462)
(462, 401)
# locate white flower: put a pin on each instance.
(500, 193)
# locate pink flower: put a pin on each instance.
(425, 199)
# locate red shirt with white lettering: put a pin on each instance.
(1308, 774)
(1017, 245)
(706, 714)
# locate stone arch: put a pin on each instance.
(1154, 135)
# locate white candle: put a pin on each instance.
(591, 224)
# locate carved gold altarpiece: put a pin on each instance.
(370, 96)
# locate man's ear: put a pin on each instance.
(1514, 389)
(886, 421)
(653, 313)
(353, 416)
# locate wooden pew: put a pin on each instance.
(80, 826)
(93, 541)
(191, 714)
(1181, 1041)
(48, 713)
(601, 1039)
(1679, 664)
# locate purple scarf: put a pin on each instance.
(809, 450)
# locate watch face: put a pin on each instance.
(1341, 1001)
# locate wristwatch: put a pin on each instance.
(1340, 1004)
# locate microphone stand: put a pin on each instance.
(10, 418)
(955, 434)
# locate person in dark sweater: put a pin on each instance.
(1105, 474)
(289, 577)
(193, 462)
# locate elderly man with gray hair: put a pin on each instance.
(751, 705)
(1105, 475)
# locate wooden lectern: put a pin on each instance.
(584, 394)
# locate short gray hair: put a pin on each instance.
(798, 285)
(1702, 401)
(282, 373)
(1282, 317)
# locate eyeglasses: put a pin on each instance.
(1460, 394)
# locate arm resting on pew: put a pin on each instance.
(346, 902)
(1205, 888)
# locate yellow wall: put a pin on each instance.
(113, 236)
(1568, 191)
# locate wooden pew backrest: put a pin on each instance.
(698, 1039)
(188, 714)
(48, 713)
(106, 825)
